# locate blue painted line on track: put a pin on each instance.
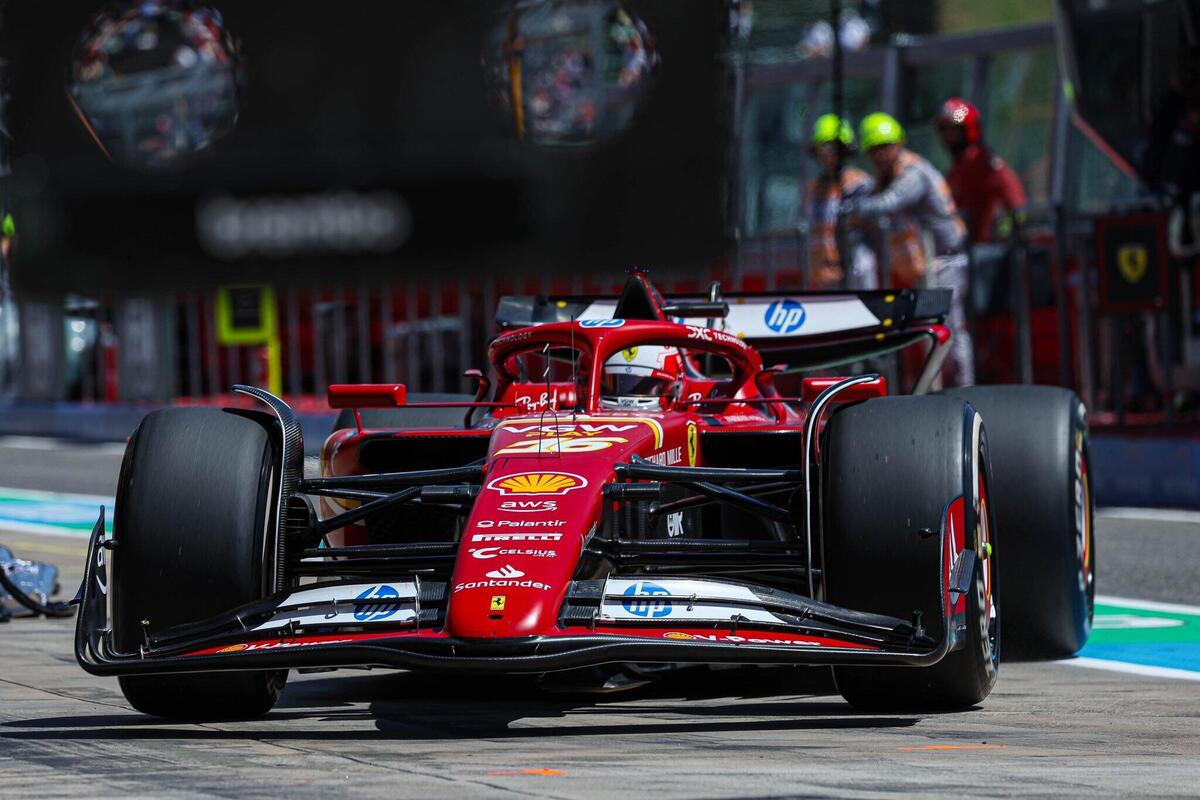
(52, 512)
(1173, 655)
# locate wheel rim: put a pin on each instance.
(989, 617)
(1085, 543)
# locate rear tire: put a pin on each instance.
(893, 467)
(1044, 508)
(194, 502)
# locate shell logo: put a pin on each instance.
(677, 635)
(537, 483)
(233, 648)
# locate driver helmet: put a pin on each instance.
(638, 377)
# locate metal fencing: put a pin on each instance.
(1035, 317)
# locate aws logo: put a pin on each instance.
(534, 483)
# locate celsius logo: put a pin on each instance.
(640, 604)
(785, 316)
(492, 552)
(507, 572)
(374, 612)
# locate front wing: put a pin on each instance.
(612, 621)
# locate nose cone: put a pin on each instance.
(542, 497)
(519, 552)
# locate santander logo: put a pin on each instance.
(507, 572)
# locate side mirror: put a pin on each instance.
(367, 395)
(812, 387)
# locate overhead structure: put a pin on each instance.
(570, 72)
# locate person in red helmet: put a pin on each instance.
(982, 184)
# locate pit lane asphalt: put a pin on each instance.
(1046, 729)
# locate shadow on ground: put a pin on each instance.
(415, 706)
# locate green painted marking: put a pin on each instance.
(1149, 637)
(1123, 625)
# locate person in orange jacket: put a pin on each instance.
(832, 143)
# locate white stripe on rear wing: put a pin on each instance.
(758, 317)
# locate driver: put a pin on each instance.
(639, 377)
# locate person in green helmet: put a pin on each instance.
(832, 143)
(8, 231)
(911, 199)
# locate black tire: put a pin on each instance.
(893, 467)
(1041, 496)
(408, 417)
(194, 500)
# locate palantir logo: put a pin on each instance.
(641, 605)
(785, 316)
(375, 611)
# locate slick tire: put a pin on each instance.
(893, 470)
(193, 510)
(1042, 500)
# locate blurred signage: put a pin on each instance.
(357, 141)
(282, 226)
(246, 316)
(1132, 253)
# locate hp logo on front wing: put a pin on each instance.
(640, 605)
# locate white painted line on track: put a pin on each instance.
(1147, 605)
(1181, 515)
(50, 443)
(1134, 669)
(31, 443)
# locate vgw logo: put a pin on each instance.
(375, 611)
(640, 604)
(785, 316)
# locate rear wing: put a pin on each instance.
(806, 329)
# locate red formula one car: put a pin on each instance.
(625, 488)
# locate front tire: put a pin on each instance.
(1044, 507)
(898, 469)
(194, 502)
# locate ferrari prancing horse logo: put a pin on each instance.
(1132, 260)
(691, 444)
